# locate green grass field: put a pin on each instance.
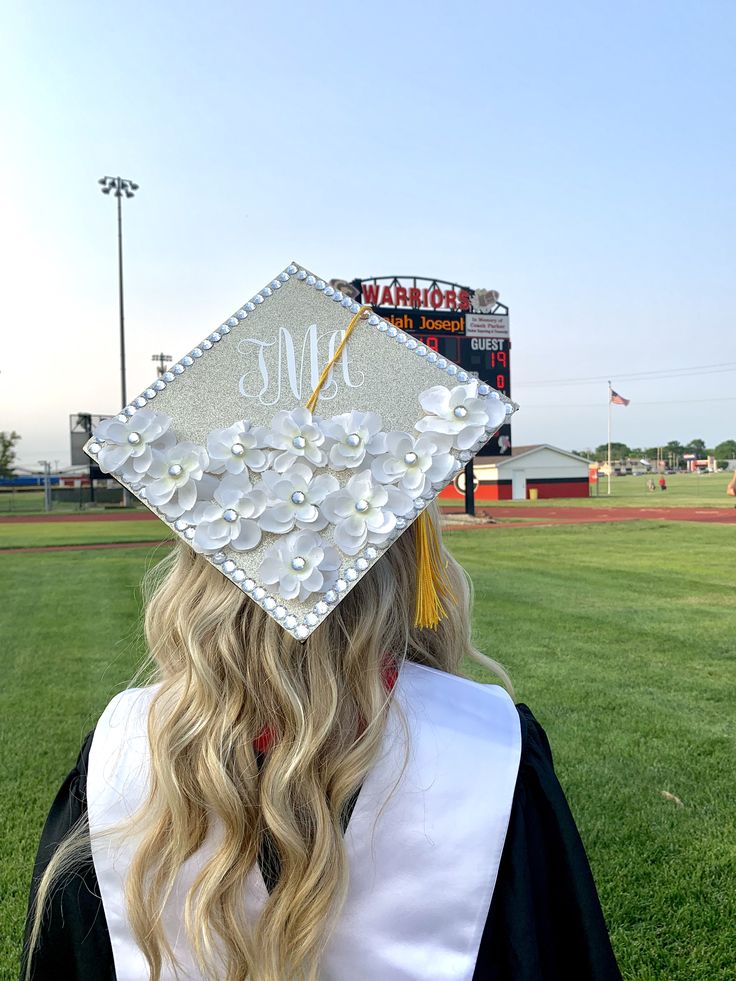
(25, 534)
(619, 636)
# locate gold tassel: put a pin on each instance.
(432, 583)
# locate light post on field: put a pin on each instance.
(120, 187)
(46, 484)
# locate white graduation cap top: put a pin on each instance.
(294, 506)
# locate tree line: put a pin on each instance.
(674, 451)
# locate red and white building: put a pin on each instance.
(550, 471)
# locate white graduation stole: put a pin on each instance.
(422, 866)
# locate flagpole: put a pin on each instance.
(610, 390)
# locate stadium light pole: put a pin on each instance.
(120, 187)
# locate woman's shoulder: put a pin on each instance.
(468, 714)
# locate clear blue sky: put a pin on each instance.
(577, 157)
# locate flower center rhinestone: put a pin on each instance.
(299, 442)
(134, 439)
(353, 439)
(230, 515)
(298, 497)
(175, 470)
(237, 449)
(410, 459)
(298, 563)
(362, 505)
(459, 411)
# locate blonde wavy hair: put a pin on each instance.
(225, 672)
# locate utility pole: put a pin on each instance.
(162, 360)
(120, 187)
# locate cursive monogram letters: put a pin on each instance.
(269, 361)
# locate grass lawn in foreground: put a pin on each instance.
(618, 636)
(26, 534)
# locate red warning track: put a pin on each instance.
(84, 547)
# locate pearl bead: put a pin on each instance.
(362, 505)
(410, 459)
(134, 439)
(299, 442)
(175, 470)
(298, 563)
(353, 439)
(298, 497)
(460, 412)
(230, 515)
(237, 449)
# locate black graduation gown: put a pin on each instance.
(545, 922)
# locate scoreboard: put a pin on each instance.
(469, 327)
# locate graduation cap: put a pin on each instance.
(295, 443)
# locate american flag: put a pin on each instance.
(617, 399)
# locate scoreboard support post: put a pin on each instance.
(469, 489)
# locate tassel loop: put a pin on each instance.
(314, 397)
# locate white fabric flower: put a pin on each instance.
(353, 433)
(230, 519)
(299, 436)
(300, 564)
(459, 413)
(293, 499)
(364, 511)
(414, 465)
(171, 481)
(127, 446)
(237, 448)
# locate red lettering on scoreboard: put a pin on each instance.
(432, 298)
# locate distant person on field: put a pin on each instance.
(651, 485)
(662, 483)
(731, 489)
